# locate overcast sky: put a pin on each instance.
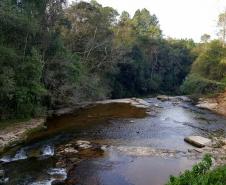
(178, 18)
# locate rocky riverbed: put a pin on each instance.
(216, 103)
(118, 143)
(18, 132)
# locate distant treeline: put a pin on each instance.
(53, 54)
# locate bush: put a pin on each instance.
(201, 175)
(195, 84)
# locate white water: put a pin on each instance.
(20, 155)
(55, 173)
(5, 159)
(48, 150)
(60, 173)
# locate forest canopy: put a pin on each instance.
(54, 55)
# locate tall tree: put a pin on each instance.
(222, 26)
(90, 34)
(146, 24)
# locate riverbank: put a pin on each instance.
(16, 133)
(19, 132)
(216, 104)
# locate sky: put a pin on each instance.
(177, 18)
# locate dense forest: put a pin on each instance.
(54, 54)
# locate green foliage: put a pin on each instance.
(209, 63)
(208, 72)
(195, 84)
(21, 71)
(152, 66)
(201, 175)
(52, 55)
(146, 24)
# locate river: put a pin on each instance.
(143, 150)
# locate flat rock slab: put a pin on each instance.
(207, 105)
(17, 133)
(136, 102)
(198, 141)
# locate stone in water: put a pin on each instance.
(198, 141)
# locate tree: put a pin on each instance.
(208, 70)
(222, 26)
(205, 38)
(146, 24)
(90, 34)
(124, 17)
(21, 64)
(54, 56)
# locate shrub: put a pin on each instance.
(201, 175)
(195, 84)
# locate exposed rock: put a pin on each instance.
(207, 105)
(218, 143)
(198, 141)
(104, 147)
(18, 132)
(163, 97)
(68, 145)
(84, 144)
(136, 102)
(216, 104)
(70, 150)
(81, 142)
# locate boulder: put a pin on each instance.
(198, 141)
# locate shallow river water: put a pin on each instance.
(144, 150)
